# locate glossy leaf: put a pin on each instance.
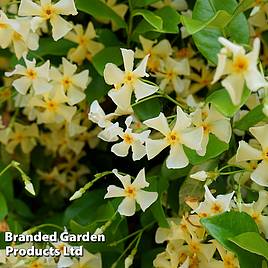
(107, 55)
(99, 9)
(226, 226)
(222, 101)
(150, 17)
(207, 39)
(252, 242)
(251, 118)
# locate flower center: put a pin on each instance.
(31, 73)
(66, 82)
(82, 40)
(216, 208)
(60, 247)
(18, 136)
(173, 138)
(51, 106)
(256, 217)
(170, 75)
(240, 64)
(130, 191)
(229, 262)
(194, 246)
(128, 138)
(206, 128)
(129, 78)
(36, 264)
(48, 11)
(265, 154)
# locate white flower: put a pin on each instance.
(200, 175)
(125, 82)
(132, 193)
(130, 139)
(71, 84)
(48, 11)
(212, 206)
(255, 211)
(181, 134)
(98, 116)
(212, 122)
(32, 76)
(240, 68)
(246, 152)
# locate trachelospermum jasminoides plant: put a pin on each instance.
(150, 116)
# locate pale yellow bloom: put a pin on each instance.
(87, 47)
(25, 136)
(48, 11)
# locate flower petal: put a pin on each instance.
(260, 174)
(146, 199)
(246, 152)
(234, 84)
(140, 181)
(65, 7)
(142, 89)
(154, 147)
(192, 138)
(140, 71)
(261, 134)
(128, 58)
(177, 157)
(60, 27)
(183, 120)
(29, 8)
(112, 74)
(158, 123)
(114, 191)
(127, 207)
(22, 85)
(120, 149)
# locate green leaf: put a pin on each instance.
(47, 46)
(150, 17)
(222, 101)
(207, 39)
(3, 207)
(107, 55)
(148, 109)
(214, 148)
(219, 20)
(228, 225)
(80, 209)
(252, 242)
(156, 208)
(97, 88)
(108, 38)
(251, 118)
(170, 18)
(99, 9)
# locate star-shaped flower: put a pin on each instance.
(132, 193)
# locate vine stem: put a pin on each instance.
(130, 235)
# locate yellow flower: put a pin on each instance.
(87, 47)
(25, 136)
